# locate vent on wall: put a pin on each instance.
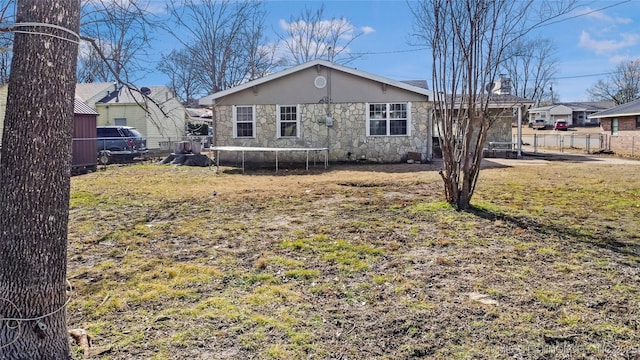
(320, 82)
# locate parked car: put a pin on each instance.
(560, 125)
(120, 144)
(538, 124)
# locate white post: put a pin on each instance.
(519, 132)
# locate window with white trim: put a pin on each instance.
(288, 120)
(388, 119)
(244, 121)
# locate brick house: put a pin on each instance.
(621, 124)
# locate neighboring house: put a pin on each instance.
(319, 104)
(550, 114)
(574, 113)
(503, 111)
(161, 120)
(622, 124)
(91, 93)
(83, 150)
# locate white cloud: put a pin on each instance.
(599, 15)
(608, 46)
(619, 58)
(367, 29)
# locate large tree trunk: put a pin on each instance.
(34, 181)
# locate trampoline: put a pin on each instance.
(244, 149)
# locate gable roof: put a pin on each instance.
(124, 96)
(495, 100)
(628, 109)
(79, 107)
(210, 99)
(578, 106)
(419, 83)
(86, 91)
(590, 105)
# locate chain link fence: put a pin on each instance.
(588, 143)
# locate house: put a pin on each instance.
(503, 110)
(550, 114)
(351, 114)
(161, 118)
(574, 113)
(622, 126)
(83, 150)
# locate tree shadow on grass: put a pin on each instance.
(601, 240)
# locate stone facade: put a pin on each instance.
(346, 139)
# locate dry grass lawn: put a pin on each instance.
(360, 262)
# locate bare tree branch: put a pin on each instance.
(470, 41)
(121, 31)
(621, 86)
(224, 37)
(183, 74)
(531, 65)
(130, 87)
(309, 36)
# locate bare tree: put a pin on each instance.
(469, 41)
(120, 30)
(6, 40)
(224, 37)
(621, 86)
(309, 36)
(530, 64)
(34, 196)
(184, 77)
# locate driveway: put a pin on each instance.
(533, 159)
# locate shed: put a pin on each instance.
(84, 147)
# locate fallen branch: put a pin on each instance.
(83, 339)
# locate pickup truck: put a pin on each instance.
(538, 124)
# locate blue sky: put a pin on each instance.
(590, 42)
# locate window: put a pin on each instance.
(120, 121)
(638, 122)
(244, 121)
(288, 120)
(614, 126)
(388, 119)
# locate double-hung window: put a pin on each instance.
(288, 119)
(244, 121)
(388, 119)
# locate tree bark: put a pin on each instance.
(35, 178)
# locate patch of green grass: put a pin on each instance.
(265, 295)
(550, 298)
(302, 274)
(429, 207)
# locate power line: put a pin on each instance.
(580, 76)
(586, 13)
(389, 52)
